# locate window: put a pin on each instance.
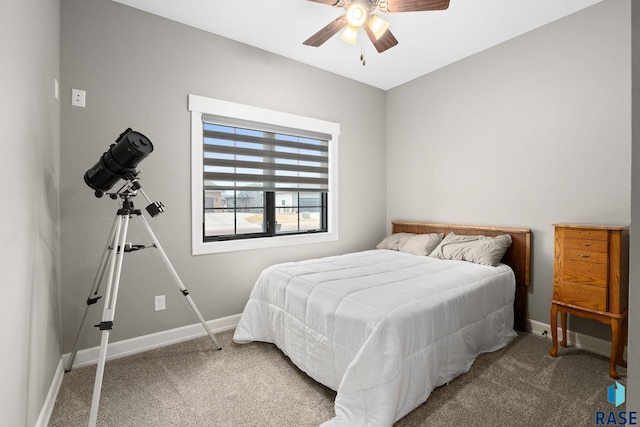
(260, 178)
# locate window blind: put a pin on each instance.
(247, 156)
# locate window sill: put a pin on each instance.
(203, 248)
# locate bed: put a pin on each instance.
(384, 327)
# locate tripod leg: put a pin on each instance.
(177, 280)
(108, 314)
(92, 299)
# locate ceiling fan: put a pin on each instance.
(360, 14)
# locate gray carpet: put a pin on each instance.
(190, 384)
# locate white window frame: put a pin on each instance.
(199, 105)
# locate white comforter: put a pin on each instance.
(382, 328)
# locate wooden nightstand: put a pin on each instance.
(591, 279)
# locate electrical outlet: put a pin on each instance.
(78, 97)
(159, 303)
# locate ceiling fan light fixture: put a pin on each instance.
(378, 26)
(357, 14)
(350, 34)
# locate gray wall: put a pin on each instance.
(30, 327)
(529, 133)
(137, 69)
(633, 375)
(532, 132)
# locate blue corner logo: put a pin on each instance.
(615, 394)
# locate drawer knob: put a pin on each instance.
(588, 244)
(583, 255)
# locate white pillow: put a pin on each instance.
(421, 244)
(479, 249)
(394, 241)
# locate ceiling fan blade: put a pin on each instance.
(330, 2)
(327, 32)
(386, 41)
(412, 5)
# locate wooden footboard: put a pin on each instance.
(518, 257)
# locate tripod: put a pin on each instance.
(112, 257)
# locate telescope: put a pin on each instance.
(119, 162)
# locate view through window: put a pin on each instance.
(261, 183)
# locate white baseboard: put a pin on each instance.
(125, 348)
(574, 339)
(49, 403)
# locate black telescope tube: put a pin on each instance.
(119, 161)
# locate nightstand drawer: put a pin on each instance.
(586, 255)
(586, 244)
(583, 272)
(586, 233)
(594, 297)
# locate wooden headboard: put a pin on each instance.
(518, 257)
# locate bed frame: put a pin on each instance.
(518, 257)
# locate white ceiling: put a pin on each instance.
(427, 40)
